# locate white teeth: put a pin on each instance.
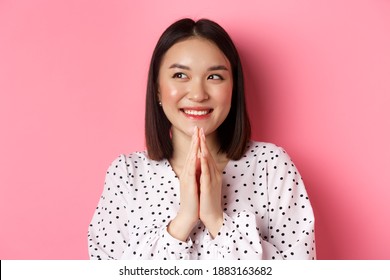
(196, 113)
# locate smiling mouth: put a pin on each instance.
(196, 113)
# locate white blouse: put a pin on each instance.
(267, 213)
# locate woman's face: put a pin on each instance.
(195, 86)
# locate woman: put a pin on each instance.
(203, 189)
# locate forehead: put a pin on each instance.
(197, 51)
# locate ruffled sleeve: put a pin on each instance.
(289, 230)
(291, 217)
(110, 234)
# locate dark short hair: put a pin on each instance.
(234, 132)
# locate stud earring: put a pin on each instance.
(159, 103)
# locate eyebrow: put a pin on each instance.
(177, 65)
(212, 68)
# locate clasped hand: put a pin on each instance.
(200, 191)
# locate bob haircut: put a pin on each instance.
(234, 133)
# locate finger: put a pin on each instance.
(190, 164)
(193, 144)
(204, 165)
(205, 158)
(212, 167)
(203, 145)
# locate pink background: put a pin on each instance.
(72, 89)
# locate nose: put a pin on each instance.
(197, 92)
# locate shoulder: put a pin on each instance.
(138, 160)
(274, 157)
(266, 153)
(263, 149)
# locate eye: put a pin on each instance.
(214, 77)
(180, 75)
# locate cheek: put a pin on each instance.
(170, 92)
(224, 96)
